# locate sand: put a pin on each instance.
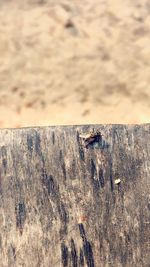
(74, 62)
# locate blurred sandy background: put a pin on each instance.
(74, 62)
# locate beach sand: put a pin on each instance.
(74, 62)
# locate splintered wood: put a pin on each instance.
(75, 196)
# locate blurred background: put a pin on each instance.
(74, 62)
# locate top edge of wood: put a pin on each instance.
(77, 125)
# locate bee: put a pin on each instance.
(90, 138)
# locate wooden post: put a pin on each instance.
(75, 196)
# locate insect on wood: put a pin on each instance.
(90, 138)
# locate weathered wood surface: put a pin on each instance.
(62, 204)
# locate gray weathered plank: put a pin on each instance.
(66, 204)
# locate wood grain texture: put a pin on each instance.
(63, 204)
